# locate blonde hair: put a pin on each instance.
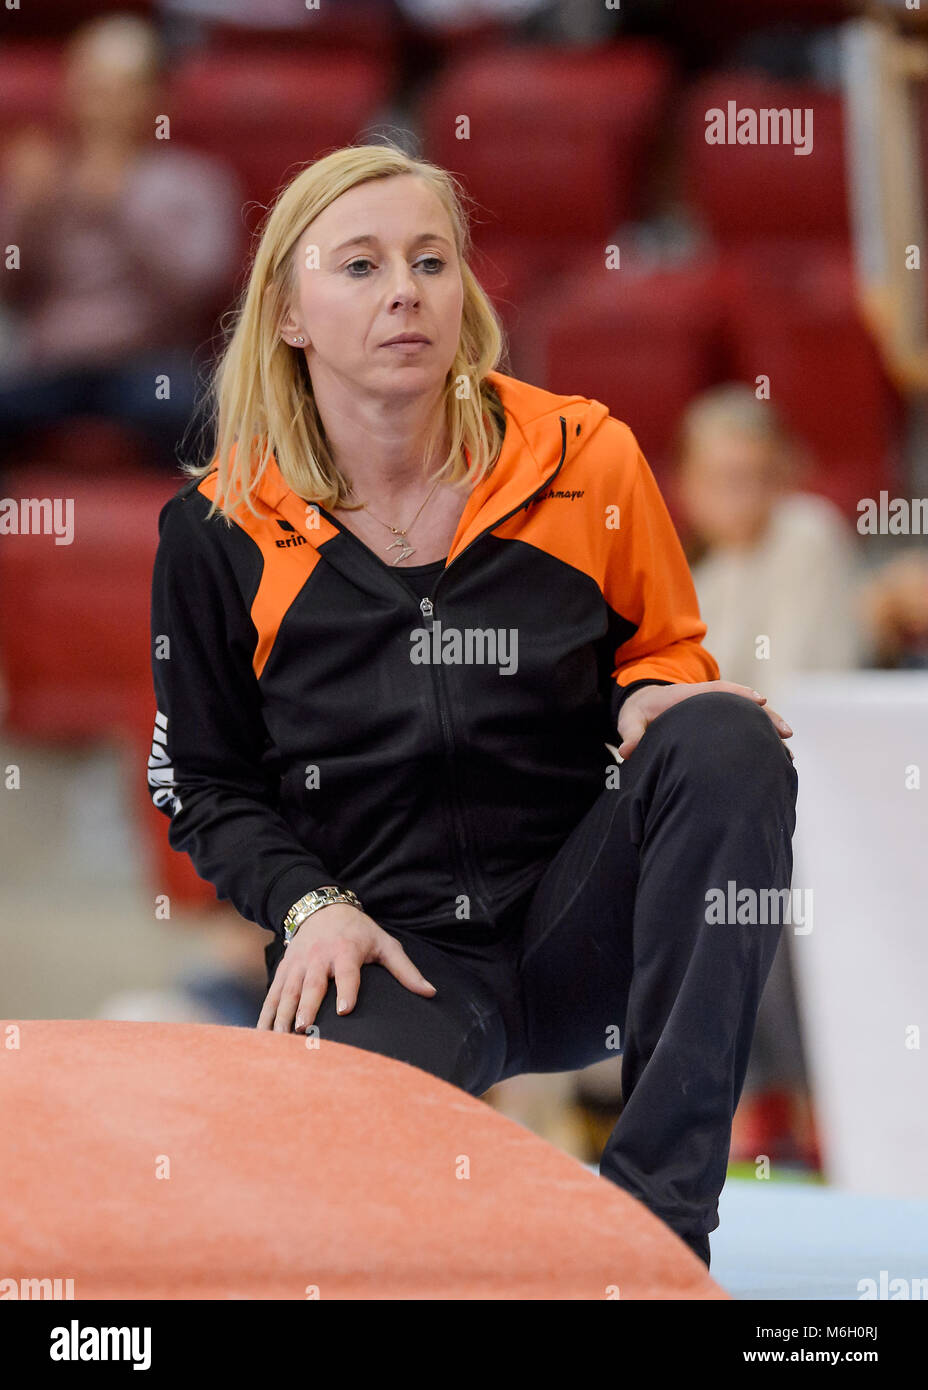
(260, 388)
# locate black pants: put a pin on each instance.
(614, 948)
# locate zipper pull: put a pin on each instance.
(427, 608)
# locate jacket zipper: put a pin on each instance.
(461, 843)
(462, 846)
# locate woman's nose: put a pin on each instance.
(404, 289)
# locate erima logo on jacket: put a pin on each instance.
(293, 539)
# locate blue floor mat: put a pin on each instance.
(779, 1240)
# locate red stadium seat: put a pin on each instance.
(268, 114)
(791, 315)
(642, 343)
(516, 271)
(559, 139)
(74, 618)
(363, 26)
(744, 192)
(74, 635)
(83, 447)
(29, 92)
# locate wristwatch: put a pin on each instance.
(311, 902)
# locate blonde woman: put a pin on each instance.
(402, 619)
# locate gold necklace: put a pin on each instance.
(405, 548)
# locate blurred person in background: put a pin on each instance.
(555, 20)
(224, 984)
(768, 561)
(126, 245)
(190, 22)
(776, 572)
(894, 612)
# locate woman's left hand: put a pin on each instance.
(643, 706)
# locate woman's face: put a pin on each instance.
(378, 262)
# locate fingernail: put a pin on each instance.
(299, 1021)
(785, 727)
(341, 1006)
(430, 985)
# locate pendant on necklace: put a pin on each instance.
(405, 550)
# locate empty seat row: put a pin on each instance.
(554, 145)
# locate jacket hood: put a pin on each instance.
(532, 416)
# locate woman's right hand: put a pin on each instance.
(334, 941)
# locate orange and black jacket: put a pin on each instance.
(313, 728)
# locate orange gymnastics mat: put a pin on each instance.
(197, 1161)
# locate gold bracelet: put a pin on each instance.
(311, 902)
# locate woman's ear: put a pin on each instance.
(291, 332)
(287, 326)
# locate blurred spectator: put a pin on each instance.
(126, 244)
(768, 562)
(227, 985)
(449, 15)
(776, 574)
(555, 21)
(250, 14)
(894, 610)
(189, 22)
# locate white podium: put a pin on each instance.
(861, 845)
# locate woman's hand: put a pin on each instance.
(334, 941)
(643, 706)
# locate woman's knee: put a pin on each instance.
(395, 1022)
(725, 735)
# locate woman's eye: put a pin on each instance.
(436, 263)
